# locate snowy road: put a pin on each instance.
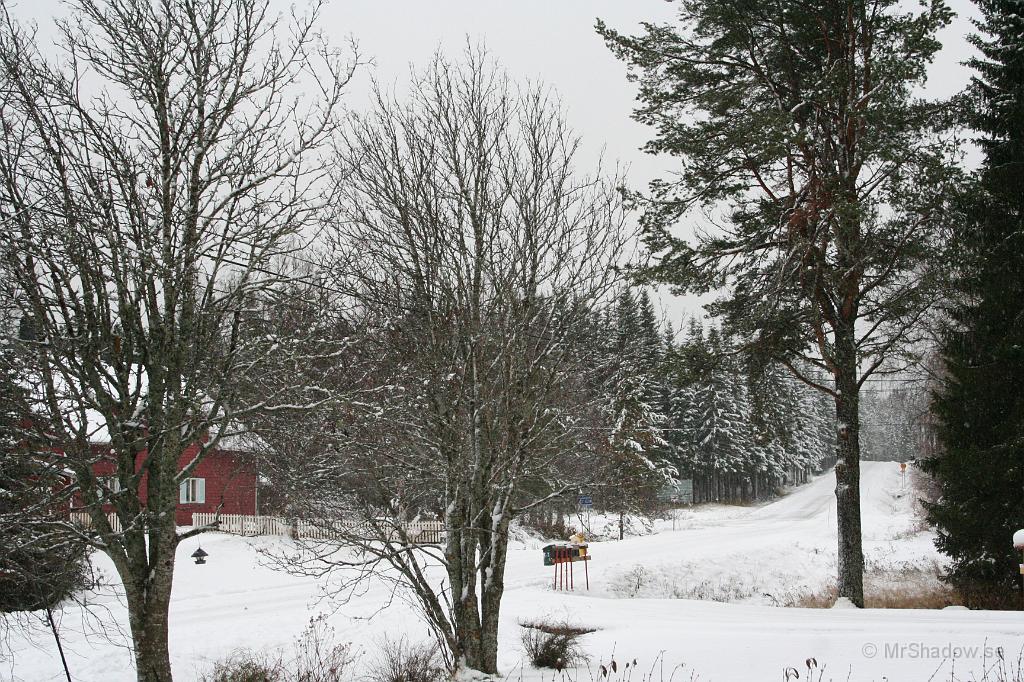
(793, 537)
(638, 600)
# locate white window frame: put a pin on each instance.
(107, 485)
(192, 491)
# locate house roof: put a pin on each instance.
(78, 409)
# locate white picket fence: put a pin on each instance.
(85, 521)
(426, 532)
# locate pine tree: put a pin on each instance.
(626, 324)
(981, 406)
(681, 380)
(740, 430)
(815, 432)
(800, 118)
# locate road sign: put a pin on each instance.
(686, 491)
(586, 501)
(679, 492)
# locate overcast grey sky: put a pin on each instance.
(553, 41)
(548, 40)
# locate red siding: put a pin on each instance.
(230, 483)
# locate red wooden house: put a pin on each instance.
(225, 480)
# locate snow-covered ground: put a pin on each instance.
(643, 601)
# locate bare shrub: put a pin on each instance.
(245, 665)
(677, 582)
(400, 661)
(557, 628)
(546, 525)
(317, 659)
(553, 645)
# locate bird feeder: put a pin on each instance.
(200, 556)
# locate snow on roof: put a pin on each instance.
(75, 401)
(236, 436)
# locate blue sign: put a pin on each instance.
(586, 501)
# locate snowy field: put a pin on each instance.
(705, 597)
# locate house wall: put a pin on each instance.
(230, 483)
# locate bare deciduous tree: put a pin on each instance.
(149, 178)
(477, 256)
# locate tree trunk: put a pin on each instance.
(147, 615)
(847, 468)
(152, 657)
(460, 554)
(492, 589)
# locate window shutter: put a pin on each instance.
(200, 490)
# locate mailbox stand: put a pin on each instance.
(561, 556)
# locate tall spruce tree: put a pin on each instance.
(799, 118)
(637, 451)
(981, 405)
(740, 430)
(722, 441)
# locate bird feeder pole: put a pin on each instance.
(1018, 544)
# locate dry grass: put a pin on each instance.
(911, 596)
(556, 627)
(918, 597)
(926, 489)
(992, 597)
